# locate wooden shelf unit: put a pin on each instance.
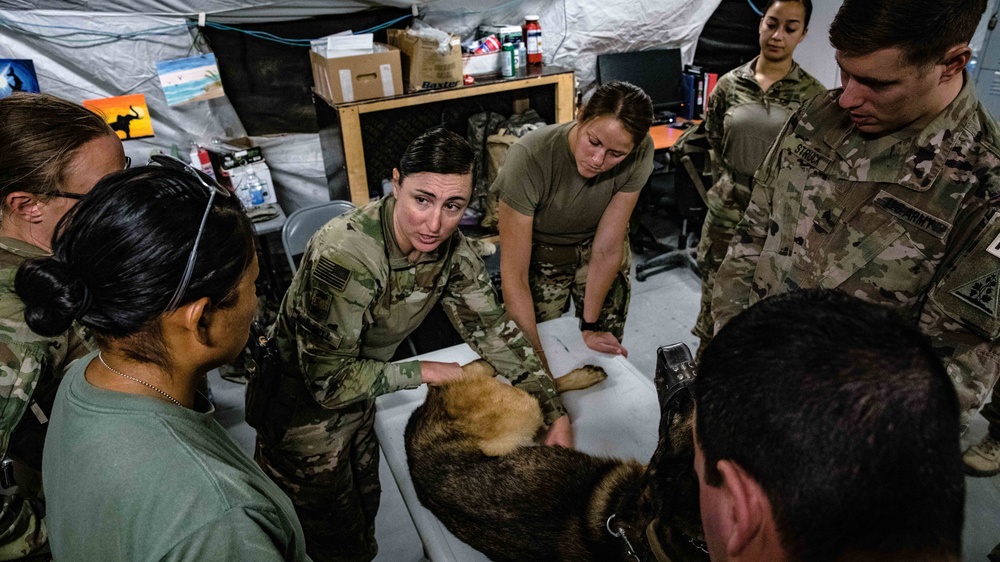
(557, 80)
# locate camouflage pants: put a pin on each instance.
(22, 532)
(327, 463)
(557, 273)
(715, 237)
(727, 201)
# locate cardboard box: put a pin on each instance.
(238, 178)
(360, 77)
(486, 63)
(235, 152)
(505, 33)
(424, 67)
(231, 160)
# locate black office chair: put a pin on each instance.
(681, 195)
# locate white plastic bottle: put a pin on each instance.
(251, 192)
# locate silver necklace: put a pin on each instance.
(142, 382)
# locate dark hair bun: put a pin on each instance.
(53, 296)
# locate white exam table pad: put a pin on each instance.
(618, 417)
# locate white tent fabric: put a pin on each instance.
(226, 11)
(76, 70)
(109, 50)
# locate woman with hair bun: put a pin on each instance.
(566, 195)
(367, 280)
(54, 151)
(746, 113)
(159, 264)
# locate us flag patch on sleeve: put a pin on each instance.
(332, 273)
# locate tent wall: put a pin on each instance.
(110, 51)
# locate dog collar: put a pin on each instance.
(656, 547)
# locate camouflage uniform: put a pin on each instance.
(557, 273)
(914, 226)
(991, 412)
(31, 367)
(742, 122)
(353, 301)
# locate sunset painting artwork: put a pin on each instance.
(127, 115)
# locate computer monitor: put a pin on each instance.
(657, 72)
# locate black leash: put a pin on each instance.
(677, 370)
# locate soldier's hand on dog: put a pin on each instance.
(605, 342)
(560, 433)
(435, 372)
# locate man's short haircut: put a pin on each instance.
(845, 416)
(923, 29)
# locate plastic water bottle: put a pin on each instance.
(253, 187)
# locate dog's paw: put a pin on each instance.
(578, 379)
(479, 368)
(482, 248)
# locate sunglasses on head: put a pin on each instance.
(78, 196)
(213, 188)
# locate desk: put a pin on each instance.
(619, 417)
(664, 136)
(349, 114)
(271, 225)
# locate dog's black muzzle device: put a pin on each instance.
(676, 368)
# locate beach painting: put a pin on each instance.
(190, 79)
(127, 115)
(17, 75)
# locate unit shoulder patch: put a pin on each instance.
(319, 304)
(981, 293)
(994, 247)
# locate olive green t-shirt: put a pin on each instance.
(539, 178)
(133, 479)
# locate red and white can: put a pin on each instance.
(489, 44)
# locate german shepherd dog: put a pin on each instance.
(474, 460)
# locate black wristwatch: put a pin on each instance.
(589, 326)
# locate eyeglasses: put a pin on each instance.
(66, 195)
(78, 196)
(213, 189)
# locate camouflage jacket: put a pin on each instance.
(742, 122)
(915, 227)
(357, 296)
(28, 362)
